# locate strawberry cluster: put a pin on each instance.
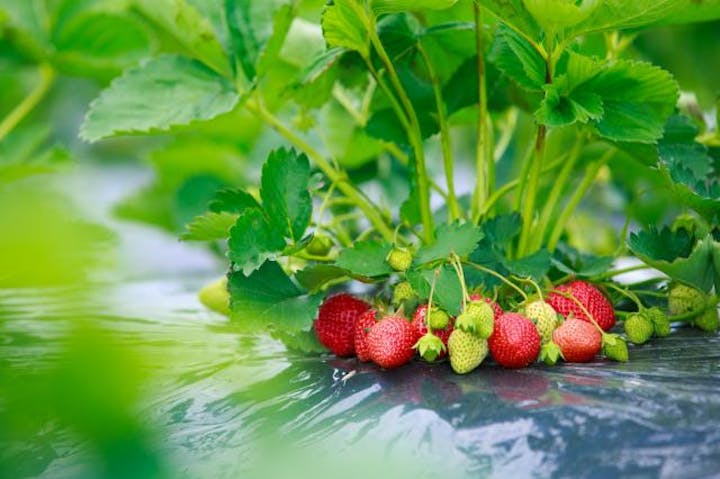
(571, 323)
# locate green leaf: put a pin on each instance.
(232, 200)
(669, 252)
(621, 14)
(253, 240)
(210, 227)
(624, 100)
(193, 197)
(637, 99)
(557, 14)
(514, 13)
(560, 108)
(458, 238)
(392, 6)
(501, 230)
(448, 291)
(164, 91)
(28, 151)
(351, 145)
(678, 147)
(257, 32)
(301, 341)
(315, 277)
(193, 33)
(285, 192)
(366, 258)
(345, 24)
(688, 168)
(535, 266)
(518, 59)
(100, 44)
(269, 300)
(568, 260)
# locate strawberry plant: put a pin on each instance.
(432, 150)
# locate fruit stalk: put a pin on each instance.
(414, 134)
(445, 141)
(338, 178)
(587, 181)
(23, 109)
(484, 161)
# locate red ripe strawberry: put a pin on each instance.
(362, 327)
(419, 324)
(390, 342)
(496, 307)
(579, 340)
(335, 324)
(515, 342)
(589, 296)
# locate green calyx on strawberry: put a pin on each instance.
(544, 317)
(550, 353)
(478, 318)
(400, 259)
(467, 351)
(614, 347)
(335, 323)
(708, 321)
(390, 342)
(438, 318)
(430, 347)
(660, 321)
(592, 299)
(638, 328)
(419, 323)
(362, 327)
(515, 342)
(685, 299)
(403, 292)
(578, 340)
(320, 245)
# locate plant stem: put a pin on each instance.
(528, 210)
(498, 276)
(28, 104)
(445, 141)
(511, 185)
(587, 181)
(414, 134)
(482, 159)
(617, 272)
(631, 296)
(371, 212)
(557, 190)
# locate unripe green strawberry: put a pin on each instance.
(403, 292)
(466, 322)
(319, 246)
(430, 347)
(708, 321)
(216, 297)
(544, 317)
(615, 348)
(466, 351)
(439, 319)
(638, 328)
(484, 317)
(400, 259)
(684, 299)
(660, 321)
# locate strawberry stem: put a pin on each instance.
(583, 309)
(532, 283)
(500, 277)
(455, 262)
(628, 294)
